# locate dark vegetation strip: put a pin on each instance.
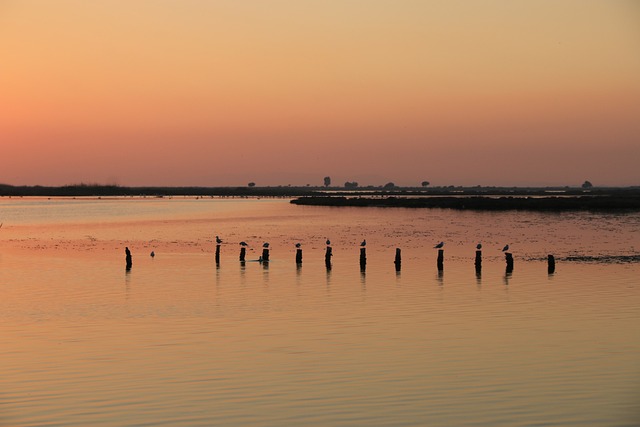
(577, 203)
(612, 198)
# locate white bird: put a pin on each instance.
(298, 245)
(506, 248)
(153, 254)
(364, 243)
(243, 244)
(265, 245)
(328, 242)
(479, 246)
(218, 240)
(439, 245)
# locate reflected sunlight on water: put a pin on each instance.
(179, 340)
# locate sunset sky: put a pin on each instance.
(223, 92)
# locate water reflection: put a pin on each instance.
(507, 274)
(243, 276)
(127, 282)
(440, 277)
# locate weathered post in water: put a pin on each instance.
(551, 264)
(398, 260)
(299, 256)
(217, 254)
(243, 253)
(363, 259)
(327, 257)
(440, 259)
(128, 258)
(509, 258)
(478, 261)
(265, 252)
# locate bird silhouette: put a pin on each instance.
(265, 245)
(153, 254)
(243, 244)
(506, 248)
(328, 242)
(439, 245)
(364, 243)
(479, 246)
(298, 245)
(218, 240)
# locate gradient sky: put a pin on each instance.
(223, 92)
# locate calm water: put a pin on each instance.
(179, 340)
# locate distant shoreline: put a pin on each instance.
(480, 203)
(461, 198)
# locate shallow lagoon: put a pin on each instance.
(179, 340)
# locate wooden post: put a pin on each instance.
(265, 255)
(217, 254)
(440, 259)
(128, 258)
(298, 256)
(243, 252)
(398, 260)
(363, 258)
(551, 264)
(478, 262)
(327, 257)
(509, 258)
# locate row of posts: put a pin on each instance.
(551, 262)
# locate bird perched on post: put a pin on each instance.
(506, 248)
(152, 254)
(439, 245)
(243, 244)
(298, 245)
(328, 242)
(218, 240)
(479, 246)
(265, 245)
(363, 243)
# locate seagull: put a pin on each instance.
(298, 245)
(479, 246)
(439, 245)
(506, 248)
(243, 244)
(328, 242)
(218, 240)
(364, 243)
(153, 254)
(265, 245)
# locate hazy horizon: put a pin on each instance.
(191, 93)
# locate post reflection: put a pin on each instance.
(507, 275)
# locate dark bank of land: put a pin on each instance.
(471, 198)
(483, 203)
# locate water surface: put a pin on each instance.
(181, 340)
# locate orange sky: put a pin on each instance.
(192, 92)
